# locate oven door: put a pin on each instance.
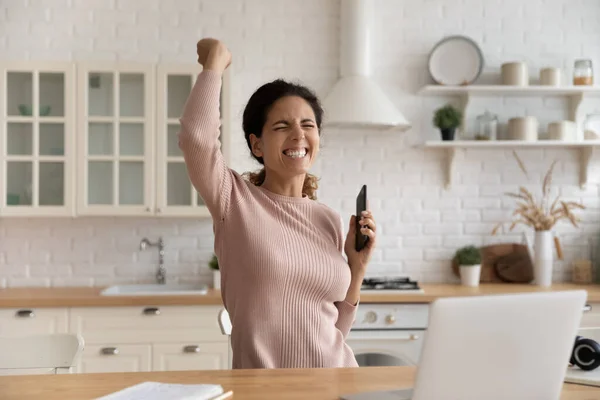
(386, 347)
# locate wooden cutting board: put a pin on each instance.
(492, 254)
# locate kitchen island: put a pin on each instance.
(314, 384)
(91, 297)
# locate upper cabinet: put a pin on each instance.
(115, 174)
(37, 139)
(115, 154)
(175, 194)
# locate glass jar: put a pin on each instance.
(583, 73)
(487, 126)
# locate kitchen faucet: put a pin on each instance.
(161, 273)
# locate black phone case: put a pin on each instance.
(361, 205)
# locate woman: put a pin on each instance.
(290, 293)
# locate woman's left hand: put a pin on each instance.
(358, 260)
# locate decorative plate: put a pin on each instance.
(455, 60)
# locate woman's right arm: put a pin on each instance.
(199, 134)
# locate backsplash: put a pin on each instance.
(420, 222)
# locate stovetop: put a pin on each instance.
(389, 284)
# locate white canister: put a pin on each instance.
(523, 128)
(550, 76)
(515, 73)
(562, 130)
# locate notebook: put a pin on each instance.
(579, 376)
(163, 391)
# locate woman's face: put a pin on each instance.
(290, 138)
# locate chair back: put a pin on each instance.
(225, 325)
(39, 354)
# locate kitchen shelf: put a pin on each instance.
(586, 149)
(506, 90)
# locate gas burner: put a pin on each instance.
(397, 283)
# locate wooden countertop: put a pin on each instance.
(263, 384)
(90, 296)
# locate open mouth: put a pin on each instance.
(296, 153)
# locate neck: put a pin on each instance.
(291, 187)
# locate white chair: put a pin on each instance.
(225, 325)
(39, 354)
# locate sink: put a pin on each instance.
(155, 289)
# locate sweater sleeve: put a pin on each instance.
(346, 311)
(199, 142)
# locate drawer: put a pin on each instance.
(187, 356)
(147, 324)
(33, 321)
(591, 317)
(115, 357)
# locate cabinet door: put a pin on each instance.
(175, 195)
(115, 357)
(33, 321)
(37, 139)
(116, 160)
(189, 356)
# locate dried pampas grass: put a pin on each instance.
(540, 216)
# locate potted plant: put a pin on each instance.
(214, 265)
(447, 119)
(469, 260)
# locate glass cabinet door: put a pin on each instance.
(115, 168)
(175, 194)
(37, 139)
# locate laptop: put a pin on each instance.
(514, 346)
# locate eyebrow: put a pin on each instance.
(281, 121)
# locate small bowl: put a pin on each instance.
(25, 110)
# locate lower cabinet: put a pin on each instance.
(165, 338)
(186, 356)
(115, 358)
(33, 321)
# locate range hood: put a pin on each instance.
(356, 101)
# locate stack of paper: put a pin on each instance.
(163, 391)
(576, 375)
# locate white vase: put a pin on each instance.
(216, 279)
(470, 275)
(543, 258)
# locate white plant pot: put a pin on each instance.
(216, 279)
(470, 275)
(543, 258)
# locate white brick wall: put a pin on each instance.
(421, 223)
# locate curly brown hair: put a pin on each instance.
(255, 116)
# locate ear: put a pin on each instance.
(256, 145)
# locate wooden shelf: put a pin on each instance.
(505, 90)
(586, 149)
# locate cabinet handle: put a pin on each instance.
(109, 351)
(25, 314)
(151, 311)
(587, 308)
(148, 209)
(191, 349)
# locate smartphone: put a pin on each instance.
(361, 205)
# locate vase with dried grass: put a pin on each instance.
(541, 215)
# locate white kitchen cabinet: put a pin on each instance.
(591, 317)
(37, 139)
(120, 339)
(33, 321)
(175, 195)
(185, 356)
(114, 154)
(115, 168)
(115, 357)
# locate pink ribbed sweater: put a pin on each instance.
(284, 277)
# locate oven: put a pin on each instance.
(388, 334)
